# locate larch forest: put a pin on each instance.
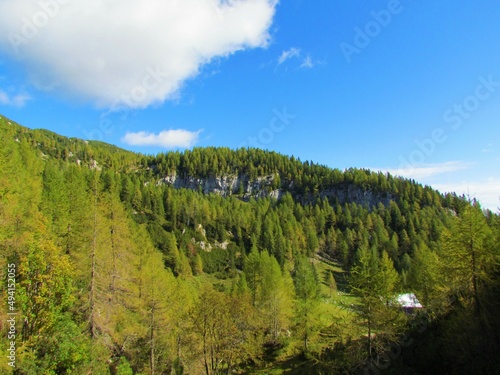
(220, 261)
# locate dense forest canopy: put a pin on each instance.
(118, 270)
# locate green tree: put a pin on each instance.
(172, 256)
(123, 367)
(332, 284)
(198, 265)
(307, 294)
(468, 256)
(253, 271)
(424, 276)
(158, 285)
(373, 281)
(275, 301)
(223, 327)
(45, 286)
(241, 286)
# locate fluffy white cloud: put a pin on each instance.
(175, 138)
(16, 100)
(131, 52)
(418, 172)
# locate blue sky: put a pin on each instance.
(410, 87)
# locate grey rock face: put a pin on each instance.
(262, 187)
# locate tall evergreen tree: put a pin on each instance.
(307, 294)
(275, 301)
(424, 276)
(373, 281)
(468, 256)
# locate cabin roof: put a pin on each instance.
(409, 300)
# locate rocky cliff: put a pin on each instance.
(266, 186)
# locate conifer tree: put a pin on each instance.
(55, 203)
(424, 276)
(307, 294)
(332, 284)
(157, 291)
(240, 286)
(253, 271)
(172, 256)
(468, 256)
(198, 265)
(373, 281)
(275, 301)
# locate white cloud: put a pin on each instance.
(487, 192)
(16, 100)
(429, 170)
(307, 63)
(127, 53)
(288, 54)
(174, 138)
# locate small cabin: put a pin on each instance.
(409, 302)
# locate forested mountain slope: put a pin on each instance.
(215, 261)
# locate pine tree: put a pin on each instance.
(253, 271)
(332, 284)
(373, 281)
(158, 286)
(172, 256)
(468, 256)
(424, 276)
(55, 202)
(307, 295)
(275, 301)
(198, 265)
(388, 278)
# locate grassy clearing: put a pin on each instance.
(335, 318)
(334, 305)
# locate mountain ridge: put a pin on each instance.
(122, 247)
(242, 172)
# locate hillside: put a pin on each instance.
(213, 261)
